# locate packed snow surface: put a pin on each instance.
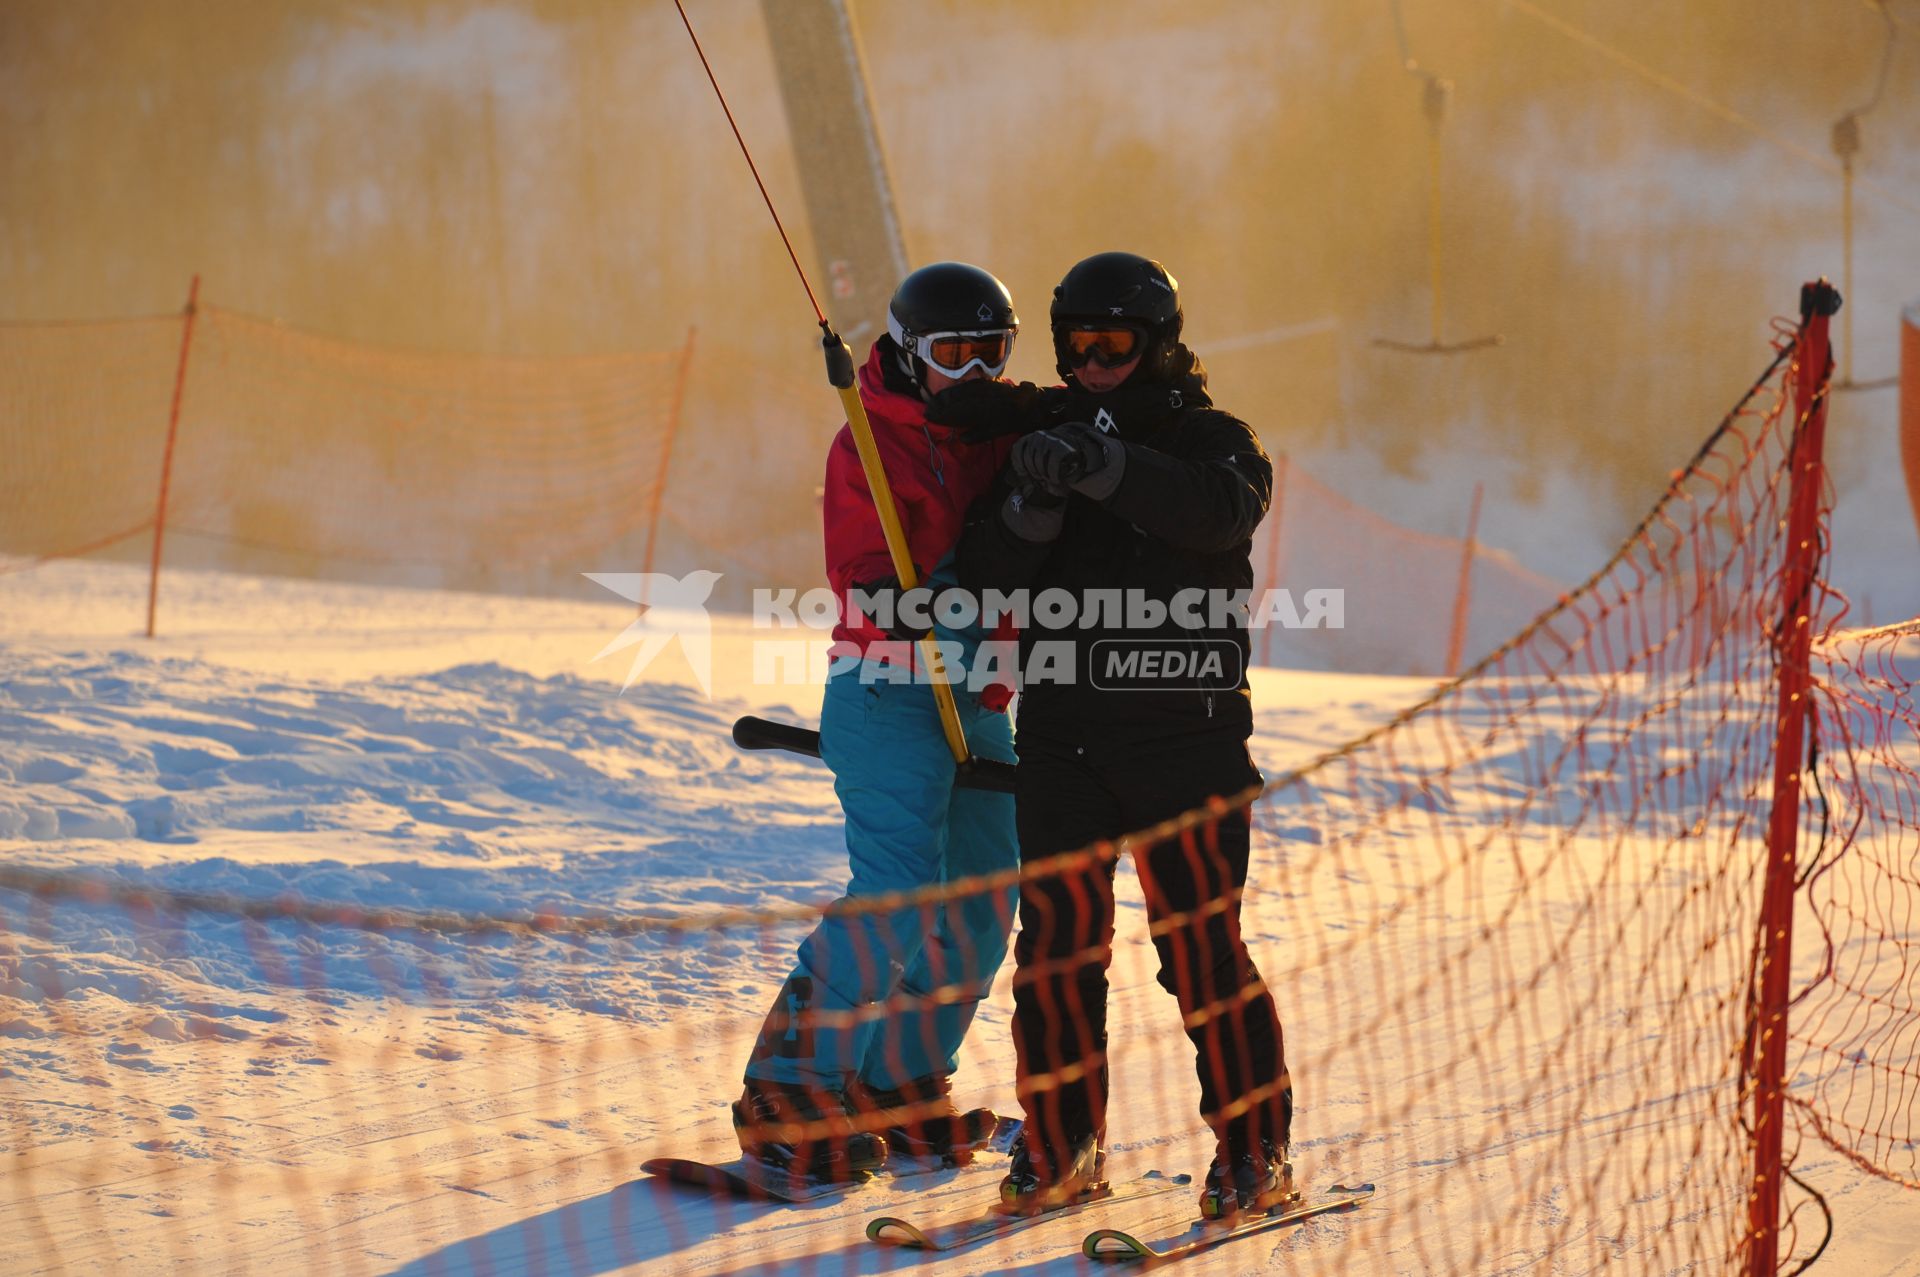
(201, 1091)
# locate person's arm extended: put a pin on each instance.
(1210, 499)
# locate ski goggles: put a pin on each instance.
(956, 353)
(1112, 345)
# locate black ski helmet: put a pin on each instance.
(946, 297)
(1124, 286)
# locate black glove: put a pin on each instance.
(986, 409)
(892, 602)
(1074, 455)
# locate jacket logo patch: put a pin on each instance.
(1104, 420)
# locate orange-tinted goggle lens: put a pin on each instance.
(952, 352)
(1111, 346)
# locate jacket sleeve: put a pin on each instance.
(989, 555)
(856, 547)
(1209, 498)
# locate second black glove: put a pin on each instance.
(1074, 455)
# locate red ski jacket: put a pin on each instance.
(934, 477)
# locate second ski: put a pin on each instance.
(953, 1234)
(1115, 1246)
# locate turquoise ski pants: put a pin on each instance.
(907, 827)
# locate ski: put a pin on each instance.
(746, 1178)
(1115, 1246)
(750, 1179)
(890, 1230)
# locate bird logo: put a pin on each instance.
(674, 607)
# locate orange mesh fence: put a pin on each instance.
(301, 454)
(314, 449)
(1534, 982)
(1540, 985)
(1402, 589)
(344, 1086)
(1513, 936)
(1855, 1026)
(85, 426)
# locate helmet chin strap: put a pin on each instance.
(905, 361)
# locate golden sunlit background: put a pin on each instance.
(1629, 194)
(355, 921)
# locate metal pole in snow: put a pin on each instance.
(166, 458)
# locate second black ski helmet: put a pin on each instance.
(954, 317)
(1118, 289)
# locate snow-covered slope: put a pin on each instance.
(203, 1091)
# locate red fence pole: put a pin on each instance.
(1463, 596)
(1813, 368)
(666, 456)
(166, 458)
(1910, 403)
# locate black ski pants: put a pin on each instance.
(1069, 794)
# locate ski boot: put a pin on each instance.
(1029, 1190)
(920, 1120)
(1255, 1182)
(807, 1132)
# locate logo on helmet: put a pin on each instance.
(986, 313)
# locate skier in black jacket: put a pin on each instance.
(1128, 480)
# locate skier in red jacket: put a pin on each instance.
(833, 1083)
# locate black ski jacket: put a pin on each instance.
(1195, 486)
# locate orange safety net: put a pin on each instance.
(1402, 590)
(1855, 1026)
(1513, 935)
(301, 454)
(1534, 982)
(85, 429)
